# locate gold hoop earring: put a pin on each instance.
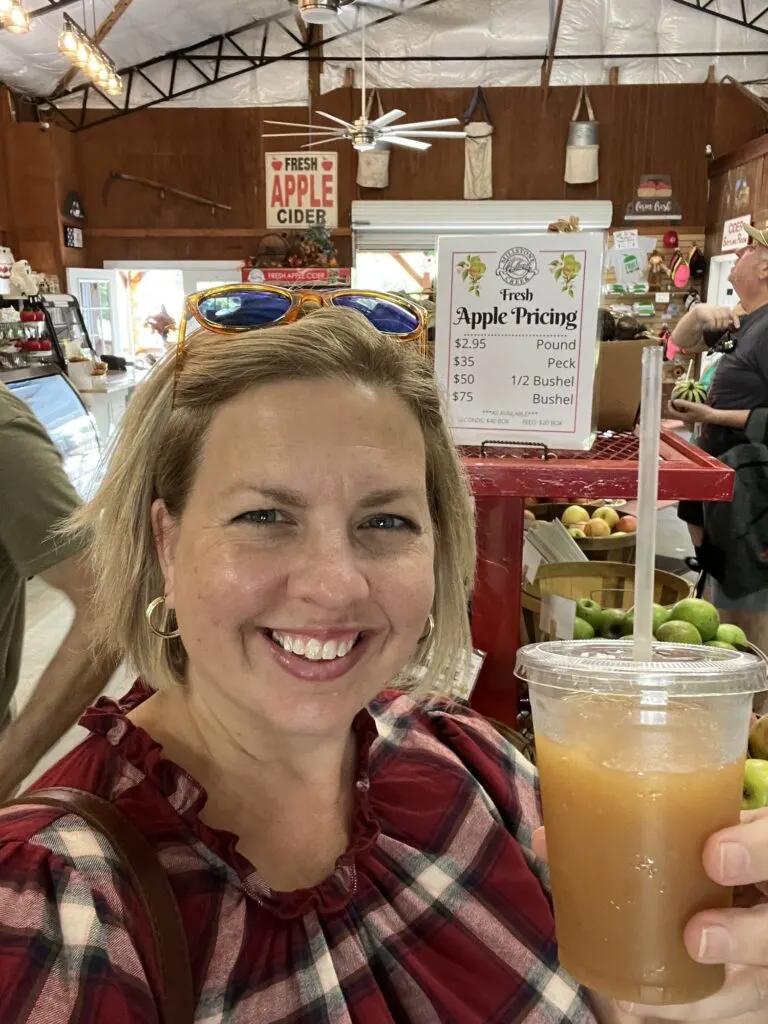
(159, 602)
(426, 636)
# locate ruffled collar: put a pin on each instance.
(108, 718)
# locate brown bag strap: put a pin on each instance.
(584, 98)
(150, 883)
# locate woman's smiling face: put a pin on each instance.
(301, 569)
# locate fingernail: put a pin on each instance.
(734, 861)
(716, 945)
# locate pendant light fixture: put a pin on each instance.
(14, 17)
(86, 55)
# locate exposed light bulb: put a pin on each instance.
(115, 84)
(103, 76)
(94, 64)
(17, 21)
(68, 42)
(6, 6)
(82, 54)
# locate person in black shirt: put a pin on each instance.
(739, 387)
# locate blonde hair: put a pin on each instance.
(157, 449)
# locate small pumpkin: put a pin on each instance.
(689, 391)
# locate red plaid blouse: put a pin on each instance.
(436, 914)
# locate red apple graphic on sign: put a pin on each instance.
(277, 165)
(327, 165)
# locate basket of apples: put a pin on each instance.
(602, 532)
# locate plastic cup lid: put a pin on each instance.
(607, 666)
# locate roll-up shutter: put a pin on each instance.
(395, 226)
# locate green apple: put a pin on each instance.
(733, 635)
(612, 623)
(720, 643)
(576, 533)
(608, 515)
(591, 612)
(758, 738)
(701, 614)
(582, 630)
(660, 616)
(677, 631)
(755, 785)
(574, 515)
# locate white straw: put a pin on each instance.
(647, 496)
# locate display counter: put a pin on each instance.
(502, 477)
(107, 403)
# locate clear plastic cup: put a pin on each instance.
(640, 763)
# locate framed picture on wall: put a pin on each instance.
(73, 238)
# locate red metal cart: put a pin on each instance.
(502, 477)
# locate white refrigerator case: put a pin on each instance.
(60, 409)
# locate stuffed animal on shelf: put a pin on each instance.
(658, 272)
(572, 224)
(24, 284)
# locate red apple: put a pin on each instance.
(277, 165)
(627, 524)
(28, 316)
(327, 165)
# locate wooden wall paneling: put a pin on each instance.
(750, 164)
(30, 165)
(5, 126)
(67, 155)
(736, 120)
(220, 153)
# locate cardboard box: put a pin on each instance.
(619, 384)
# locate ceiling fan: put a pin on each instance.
(365, 134)
(321, 12)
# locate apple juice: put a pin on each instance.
(630, 796)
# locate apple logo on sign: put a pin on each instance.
(277, 165)
(327, 165)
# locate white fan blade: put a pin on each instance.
(444, 123)
(425, 135)
(308, 127)
(332, 117)
(325, 142)
(303, 135)
(387, 119)
(395, 140)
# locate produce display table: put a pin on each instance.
(502, 477)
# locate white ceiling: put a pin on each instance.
(482, 30)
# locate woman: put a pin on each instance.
(283, 531)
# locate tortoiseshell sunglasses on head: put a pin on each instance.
(234, 308)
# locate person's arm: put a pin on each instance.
(73, 679)
(697, 412)
(37, 499)
(688, 335)
(75, 943)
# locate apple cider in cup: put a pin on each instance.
(630, 840)
(640, 763)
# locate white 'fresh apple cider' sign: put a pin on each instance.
(302, 190)
(516, 345)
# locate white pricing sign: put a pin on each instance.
(517, 336)
(626, 240)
